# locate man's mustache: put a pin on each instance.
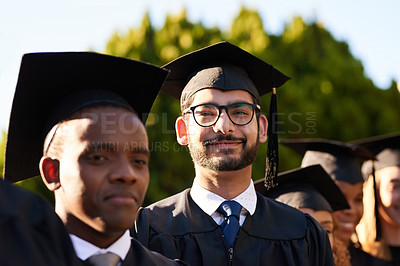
(223, 138)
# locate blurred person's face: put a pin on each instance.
(324, 218)
(388, 180)
(348, 219)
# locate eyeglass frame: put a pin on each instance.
(255, 107)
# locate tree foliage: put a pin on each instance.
(329, 95)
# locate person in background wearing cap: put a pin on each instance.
(379, 228)
(29, 229)
(342, 161)
(221, 220)
(76, 118)
(311, 190)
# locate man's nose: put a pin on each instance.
(123, 171)
(223, 125)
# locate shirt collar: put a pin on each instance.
(84, 249)
(209, 201)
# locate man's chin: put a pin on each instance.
(221, 152)
(223, 165)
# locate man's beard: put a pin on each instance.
(202, 155)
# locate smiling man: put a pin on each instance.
(221, 220)
(77, 118)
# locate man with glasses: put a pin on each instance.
(221, 220)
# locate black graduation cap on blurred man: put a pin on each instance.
(308, 187)
(227, 67)
(53, 86)
(341, 160)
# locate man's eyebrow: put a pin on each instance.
(326, 222)
(136, 148)
(395, 180)
(142, 150)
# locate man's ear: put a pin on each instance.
(50, 172)
(263, 127)
(181, 131)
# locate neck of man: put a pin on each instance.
(227, 184)
(390, 233)
(95, 236)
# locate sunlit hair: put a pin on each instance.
(187, 103)
(366, 229)
(340, 251)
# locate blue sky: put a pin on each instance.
(370, 27)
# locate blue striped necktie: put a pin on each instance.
(230, 227)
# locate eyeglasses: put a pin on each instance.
(207, 114)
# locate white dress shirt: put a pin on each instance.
(84, 249)
(209, 201)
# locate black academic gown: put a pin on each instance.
(358, 257)
(138, 255)
(275, 234)
(31, 233)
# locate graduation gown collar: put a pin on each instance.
(276, 224)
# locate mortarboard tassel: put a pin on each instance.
(272, 160)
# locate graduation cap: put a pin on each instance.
(226, 67)
(308, 187)
(341, 160)
(386, 149)
(53, 86)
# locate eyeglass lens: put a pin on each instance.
(208, 114)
